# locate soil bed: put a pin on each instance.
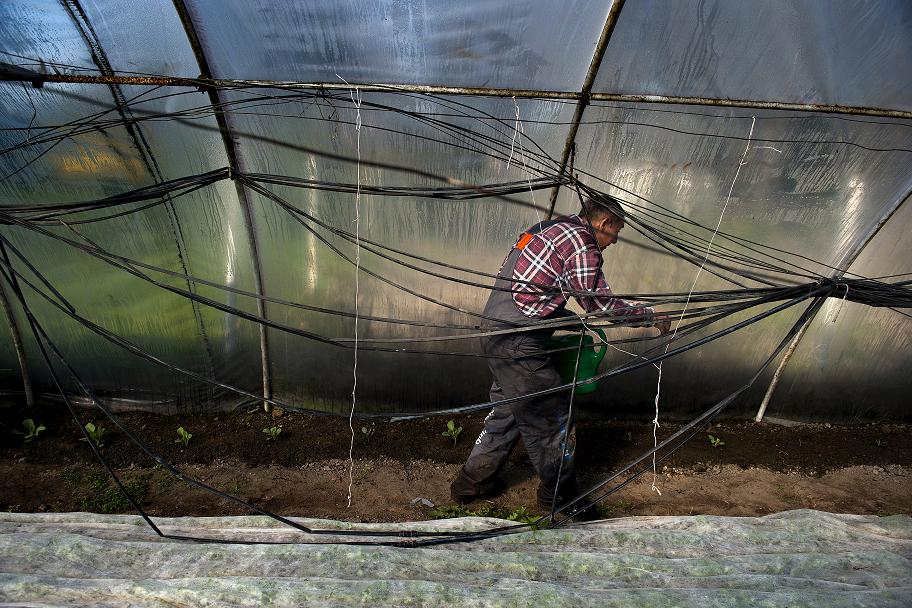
(305, 471)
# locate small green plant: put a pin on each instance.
(183, 436)
(96, 433)
(487, 509)
(715, 441)
(452, 431)
(272, 432)
(33, 430)
(92, 490)
(368, 431)
(616, 509)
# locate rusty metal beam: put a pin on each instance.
(16, 73)
(586, 93)
(236, 166)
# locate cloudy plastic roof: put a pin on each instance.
(814, 184)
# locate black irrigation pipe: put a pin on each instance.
(328, 155)
(407, 113)
(335, 532)
(438, 537)
(411, 113)
(404, 112)
(42, 338)
(350, 236)
(123, 343)
(126, 266)
(566, 324)
(705, 417)
(693, 426)
(11, 277)
(345, 342)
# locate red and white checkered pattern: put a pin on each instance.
(565, 254)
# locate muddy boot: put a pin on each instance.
(464, 491)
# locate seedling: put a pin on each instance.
(368, 431)
(715, 441)
(183, 436)
(487, 509)
(95, 433)
(272, 432)
(452, 431)
(33, 430)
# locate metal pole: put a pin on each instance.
(15, 73)
(100, 58)
(17, 345)
(594, 65)
(234, 164)
(843, 266)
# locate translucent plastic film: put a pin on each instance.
(816, 51)
(474, 141)
(855, 359)
(806, 194)
(528, 44)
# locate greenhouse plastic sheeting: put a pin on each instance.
(812, 184)
(813, 51)
(797, 558)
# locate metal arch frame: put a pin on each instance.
(843, 266)
(14, 73)
(99, 57)
(585, 94)
(18, 346)
(235, 165)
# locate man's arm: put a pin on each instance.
(584, 273)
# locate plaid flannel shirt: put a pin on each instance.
(565, 254)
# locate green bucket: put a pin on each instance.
(589, 359)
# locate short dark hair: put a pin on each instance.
(597, 207)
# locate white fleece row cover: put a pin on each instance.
(796, 558)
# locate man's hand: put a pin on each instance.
(663, 324)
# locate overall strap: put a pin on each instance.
(526, 236)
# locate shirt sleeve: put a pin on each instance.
(583, 272)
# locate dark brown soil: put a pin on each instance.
(305, 470)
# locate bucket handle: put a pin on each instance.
(604, 347)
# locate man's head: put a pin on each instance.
(606, 216)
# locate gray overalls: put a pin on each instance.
(541, 421)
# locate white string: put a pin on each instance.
(515, 131)
(357, 222)
(523, 156)
(655, 421)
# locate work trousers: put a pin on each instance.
(541, 422)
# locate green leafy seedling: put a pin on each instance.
(33, 430)
(272, 432)
(368, 431)
(96, 433)
(715, 441)
(452, 431)
(183, 436)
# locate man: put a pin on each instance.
(549, 259)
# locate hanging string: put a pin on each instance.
(356, 101)
(523, 151)
(655, 421)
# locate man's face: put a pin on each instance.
(606, 231)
